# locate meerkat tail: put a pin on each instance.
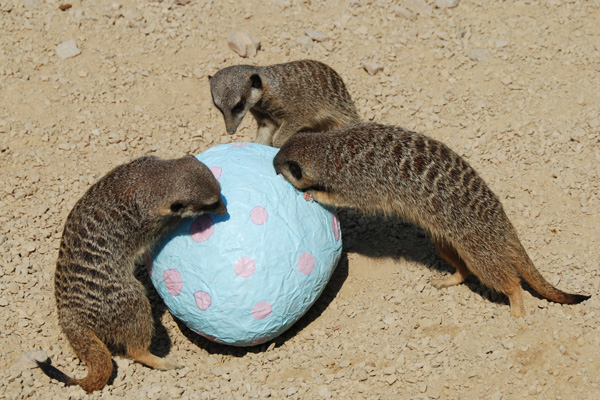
(529, 272)
(96, 356)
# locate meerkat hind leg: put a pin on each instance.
(138, 333)
(503, 279)
(515, 298)
(450, 255)
(145, 357)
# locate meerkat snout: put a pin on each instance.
(182, 209)
(218, 207)
(289, 169)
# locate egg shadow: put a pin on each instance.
(161, 342)
(327, 296)
(379, 236)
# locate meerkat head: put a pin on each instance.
(235, 90)
(191, 190)
(294, 163)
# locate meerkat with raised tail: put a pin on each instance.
(377, 168)
(297, 96)
(117, 220)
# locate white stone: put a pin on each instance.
(372, 67)
(316, 36)
(67, 49)
(403, 12)
(418, 6)
(478, 55)
(305, 42)
(243, 44)
(446, 3)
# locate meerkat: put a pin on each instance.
(304, 95)
(117, 220)
(377, 168)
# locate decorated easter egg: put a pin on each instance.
(244, 277)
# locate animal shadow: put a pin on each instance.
(379, 236)
(161, 342)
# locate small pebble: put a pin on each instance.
(478, 55)
(67, 49)
(305, 42)
(316, 36)
(371, 67)
(446, 3)
(418, 6)
(243, 43)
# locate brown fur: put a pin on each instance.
(304, 95)
(98, 298)
(373, 168)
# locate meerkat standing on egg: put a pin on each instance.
(377, 168)
(304, 95)
(117, 220)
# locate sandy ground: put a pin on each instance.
(512, 86)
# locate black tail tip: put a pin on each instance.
(578, 298)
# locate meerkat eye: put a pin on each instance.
(177, 206)
(239, 106)
(295, 170)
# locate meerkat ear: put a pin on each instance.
(256, 81)
(209, 78)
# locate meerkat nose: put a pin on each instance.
(221, 209)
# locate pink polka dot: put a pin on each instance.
(336, 227)
(262, 310)
(245, 267)
(239, 144)
(216, 171)
(148, 263)
(306, 263)
(172, 279)
(202, 228)
(259, 215)
(203, 300)
(259, 340)
(209, 337)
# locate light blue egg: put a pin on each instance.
(245, 277)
